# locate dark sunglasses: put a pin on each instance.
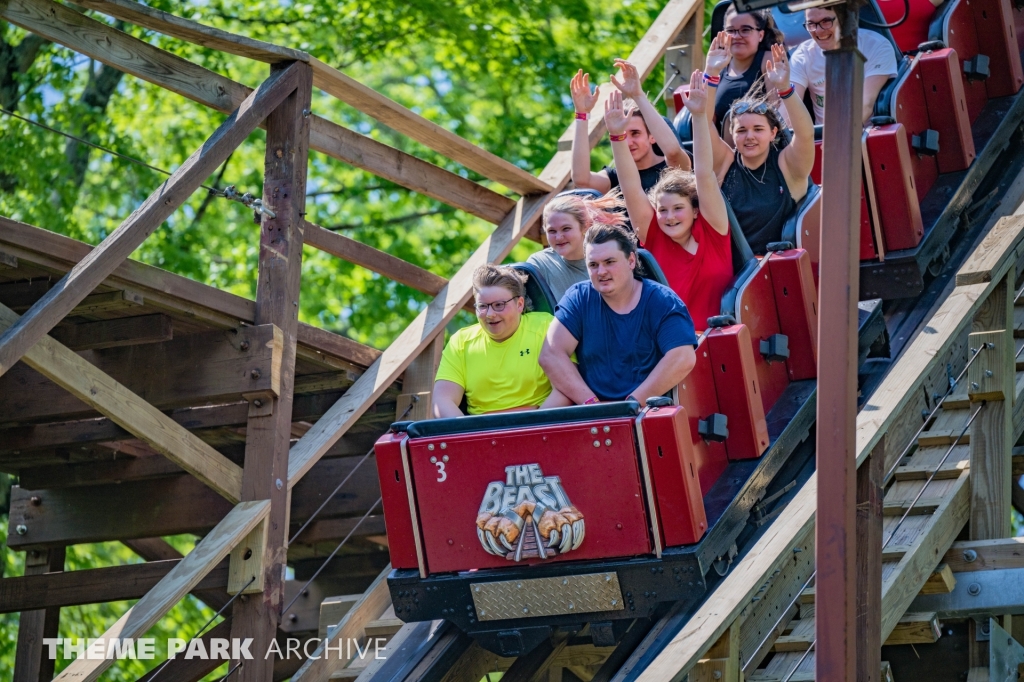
(745, 107)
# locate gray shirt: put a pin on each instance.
(560, 274)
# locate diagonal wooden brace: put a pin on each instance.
(104, 259)
(97, 389)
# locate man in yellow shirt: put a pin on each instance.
(494, 363)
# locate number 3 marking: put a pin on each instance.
(442, 475)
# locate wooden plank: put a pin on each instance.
(269, 430)
(181, 580)
(194, 32)
(395, 116)
(333, 609)
(132, 413)
(181, 295)
(123, 331)
(94, 585)
(941, 581)
(382, 263)
(901, 586)
(30, 663)
(107, 45)
(993, 433)
(870, 502)
(374, 602)
(104, 259)
(413, 339)
(194, 668)
(915, 628)
(997, 249)
(382, 627)
(198, 369)
(989, 555)
(943, 437)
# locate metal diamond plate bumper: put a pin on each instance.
(555, 596)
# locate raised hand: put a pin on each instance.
(719, 55)
(776, 70)
(697, 99)
(582, 98)
(630, 85)
(614, 116)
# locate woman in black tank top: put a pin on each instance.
(761, 182)
(741, 63)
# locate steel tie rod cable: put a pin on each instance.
(913, 440)
(206, 625)
(328, 559)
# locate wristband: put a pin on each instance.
(786, 94)
(582, 115)
(617, 138)
(712, 81)
(592, 401)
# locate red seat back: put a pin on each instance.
(395, 499)
(947, 109)
(910, 109)
(697, 395)
(678, 499)
(739, 397)
(755, 307)
(796, 300)
(892, 174)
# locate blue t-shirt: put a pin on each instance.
(616, 352)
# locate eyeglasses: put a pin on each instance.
(741, 31)
(824, 24)
(497, 306)
(744, 107)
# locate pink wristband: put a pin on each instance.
(582, 116)
(592, 401)
(617, 138)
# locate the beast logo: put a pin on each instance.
(528, 515)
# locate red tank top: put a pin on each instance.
(699, 279)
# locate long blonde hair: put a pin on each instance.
(587, 211)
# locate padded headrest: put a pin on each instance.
(731, 294)
(789, 228)
(537, 290)
(651, 269)
(517, 420)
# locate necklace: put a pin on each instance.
(764, 169)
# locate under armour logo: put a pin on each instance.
(524, 352)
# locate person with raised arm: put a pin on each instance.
(494, 364)
(738, 56)
(633, 338)
(645, 128)
(762, 183)
(683, 220)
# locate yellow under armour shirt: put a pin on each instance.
(498, 376)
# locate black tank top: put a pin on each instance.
(760, 199)
(732, 88)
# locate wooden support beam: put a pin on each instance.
(401, 119)
(30, 662)
(104, 259)
(382, 263)
(723, 660)
(870, 501)
(181, 580)
(415, 403)
(836, 543)
(991, 380)
(915, 628)
(93, 586)
(132, 413)
(123, 331)
(110, 46)
(322, 664)
(195, 668)
(269, 429)
(174, 293)
(170, 505)
(336, 83)
(983, 265)
(941, 581)
(198, 369)
(194, 32)
(985, 555)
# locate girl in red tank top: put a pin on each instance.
(683, 221)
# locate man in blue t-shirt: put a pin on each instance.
(632, 337)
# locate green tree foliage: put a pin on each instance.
(494, 72)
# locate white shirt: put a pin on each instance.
(807, 65)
